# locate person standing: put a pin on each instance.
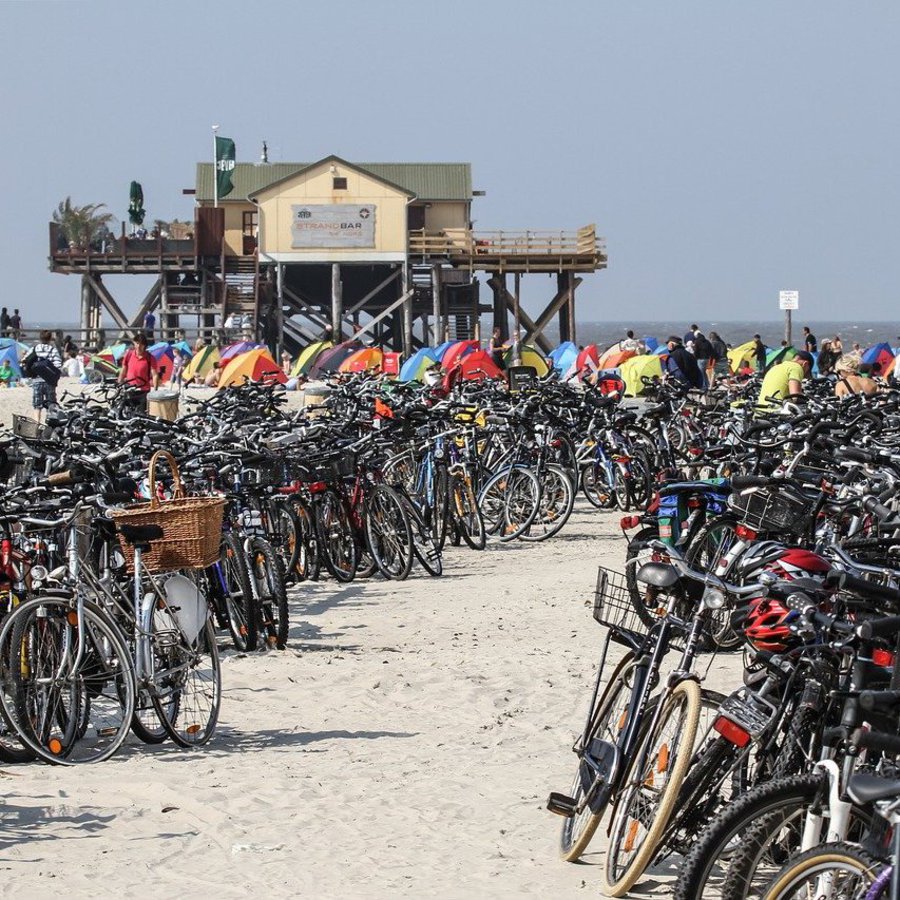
(681, 366)
(495, 347)
(719, 358)
(759, 353)
(45, 373)
(4, 322)
(703, 353)
(809, 340)
(15, 326)
(140, 371)
(690, 337)
(149, 324)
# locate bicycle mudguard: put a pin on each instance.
(597, 771)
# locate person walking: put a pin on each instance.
(140, 371)
(15, 326)
(703, 352)
(45, 369)
(4, 322)
(809, 340)
(719, 358)
(149, 324)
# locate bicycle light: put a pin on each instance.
(713, 598)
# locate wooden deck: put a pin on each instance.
(513, 251)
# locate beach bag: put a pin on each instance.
(35, 366)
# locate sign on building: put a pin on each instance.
(332, 226)
(789, 299)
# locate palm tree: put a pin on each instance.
(82, 224)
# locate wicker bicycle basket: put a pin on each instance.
(191, 526)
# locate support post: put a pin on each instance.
(498, 286)
(571, 303)
(407, 313)
(279, 290)
(337, 311)
(164, 322)
(565, 331)
(437, 331)
(517, 315)
(86, 307)
(787, 326)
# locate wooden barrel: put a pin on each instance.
(163, 405)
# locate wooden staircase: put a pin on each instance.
(241, 286)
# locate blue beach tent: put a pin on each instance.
(651, 343)
(441, 349)
(12, 355)
(411, 369)
(564, 357)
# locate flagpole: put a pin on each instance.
(215, 128)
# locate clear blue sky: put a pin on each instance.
(724, 149)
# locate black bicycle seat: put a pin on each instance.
(869, 788)
(141, 534)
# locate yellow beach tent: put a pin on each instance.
(746, 353)
(201, 363)
(530, 357)
(632, 370)
(307, 357)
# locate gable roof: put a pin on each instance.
(334, 159)
(427, 181)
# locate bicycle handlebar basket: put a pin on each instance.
(613, 606)
(768, 509)
(191, 526)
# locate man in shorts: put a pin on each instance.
(43, 392)
(140, 372)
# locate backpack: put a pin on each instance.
(35, 366)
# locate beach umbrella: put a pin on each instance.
(441, 349)
(477, 365)
(530, 357)
(330, 360)
(184, 347)
(11, 353)
(632, 370)
(236, 349)
(564, 356)
(308, 356)
(113, 353)
(662, 350)
(456, 351)
(879, 355)
(363, 360)
(256, 364)
(613, 358)
(161, 350)
(414, 368)
(201, 364)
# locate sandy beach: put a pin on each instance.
(403, 745)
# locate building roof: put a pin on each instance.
(428, 181)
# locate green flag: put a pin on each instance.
(224, 166)
(136, 211)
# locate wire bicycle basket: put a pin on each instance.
(613, 606)
(767, 509)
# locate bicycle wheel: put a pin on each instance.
(424, 547)
(644, 805)
(636, 555)
(308, 563)
(557, 502)
(401, 470)
(72, 693)
(509, 502)
(336, 541)
(607, 721)
(188, 683)
(465, 513)
(388, 533)
(12, 750)
(285, 537)
(436, 514)
(837, 870)
(271, 594)
(232, 579)
(596, 485)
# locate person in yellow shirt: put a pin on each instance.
(784, 380)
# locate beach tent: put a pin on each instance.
(613, 358)
(589, 353)
(880, 355)
(330, 360)
(414, 368)
(631, 371)
(113, 353)
(21, 348)
(456, 351)
(478, 365)
(564, 356)
(104, 365)
(12, 354)
(363, 360)
(441, 349)
(307, 358)
(236, 349)
(184, 347)
(777, 355)
(662, 350)
(161, 351)
(256, 364)
(650, 342)
(530, 357)
(738, 356)
(201, 364)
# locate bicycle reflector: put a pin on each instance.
(883, 658)
(745, 533)
(627, 522)
(732, 732)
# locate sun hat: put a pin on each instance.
(847, 363)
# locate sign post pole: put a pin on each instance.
(788, 301)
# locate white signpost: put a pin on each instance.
(788, 301)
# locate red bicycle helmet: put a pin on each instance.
(767, 625)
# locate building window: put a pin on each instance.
(339, 184)
(250, 223)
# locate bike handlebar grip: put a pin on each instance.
(881, 512)
(886, 627)
(857, 455)
(870, 700)
(869, 589)
(877, 740)
(742, 482)
(61, 478)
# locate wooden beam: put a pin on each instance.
(149, 303)
(533, 330)
(310, 311)
(544, 319)
(361, 303)
(298, 331)
(337, 315)
(402, 299)
(106, 298)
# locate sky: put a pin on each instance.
(724, 150)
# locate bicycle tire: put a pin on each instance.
(517, 487)
(466, 514)
(686, 693)
(424, 548)
(861, 867)
(337, 544)
(237, 594)
(638, 544)
(271, 601)
(592, 475)
(388, 533)
(555, 506)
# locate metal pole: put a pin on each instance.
(280, 316)
(215, 128)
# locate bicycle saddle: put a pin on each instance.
(869, 788)
(141, 534)
(657, 575)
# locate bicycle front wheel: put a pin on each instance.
(509, 502)
(388, 533)
(650, 788)
(557, 502)
(830, 870)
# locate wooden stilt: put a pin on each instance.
(438, 329)
(407, 314)
(337, 312)
(571, 302)
(497, 284)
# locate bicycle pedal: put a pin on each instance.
(561, 805)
